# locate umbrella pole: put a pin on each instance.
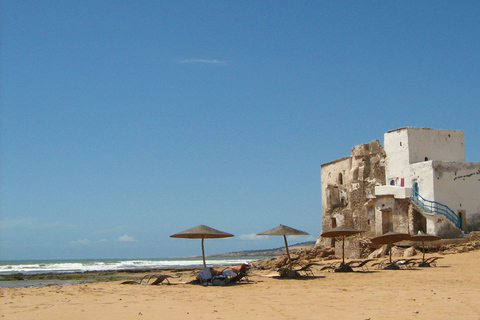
(288, 253)
(423, 249)
(203, 255)
(343, 249)
(390, 251)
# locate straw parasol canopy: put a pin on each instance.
(424, 237)
(341, 231)
(202, 232)
(390, 238)
(284, 231)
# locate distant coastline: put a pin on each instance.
(267, 252)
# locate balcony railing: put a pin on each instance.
(436, 208)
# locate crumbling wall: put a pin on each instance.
(401, 219)
(348, 187)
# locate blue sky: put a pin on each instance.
(123, 122)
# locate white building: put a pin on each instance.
(419, 181)
(432, 163)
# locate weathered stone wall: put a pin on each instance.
(348, 187)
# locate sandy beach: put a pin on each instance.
(449, 291)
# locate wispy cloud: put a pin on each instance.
(250, 236)
(301, 238)
(126, 238)
(203, 61)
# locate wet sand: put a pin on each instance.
(449, 291)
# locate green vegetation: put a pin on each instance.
(97, 276)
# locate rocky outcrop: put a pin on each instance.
(372, 251)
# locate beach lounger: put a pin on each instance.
(298, 271)
(209, 276)
(340, 267)
(406, 263)
(360, 264)
(157, 279)
(239, 277)
(206, 275)
(331, 267)
(396, 264)
(237, 273)
(306, 270)
(386, 265)
(430, 262)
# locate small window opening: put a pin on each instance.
(334, 223)
(426, 158)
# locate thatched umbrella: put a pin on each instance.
(201, 232)
(390, 238)
(424, 237)
(284, 231)
(341, 231)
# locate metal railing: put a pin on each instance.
(436, 208)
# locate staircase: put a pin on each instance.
(433, 207)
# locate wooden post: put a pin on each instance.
(203, 255)
(288, 253)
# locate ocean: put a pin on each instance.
(27, 267)
(32, 267)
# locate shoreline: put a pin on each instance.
(61, 278)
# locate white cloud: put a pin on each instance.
(299, 239)
(126, 238)
(204, 61)
(250, 236)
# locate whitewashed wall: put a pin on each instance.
(407, 146)
(457, 185)
(435, 144)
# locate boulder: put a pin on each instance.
(410, 252)
(396, 252)
(380, 252)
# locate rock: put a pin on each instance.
(380, 252)
(396, 252)
(410, 252)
